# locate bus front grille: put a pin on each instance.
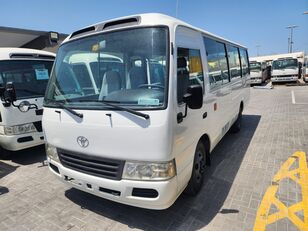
(92, 165)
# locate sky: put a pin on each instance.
(258, 24)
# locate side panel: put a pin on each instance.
(220, 109)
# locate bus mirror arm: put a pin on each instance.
(8, 96)
(180, 115)
(25, 106)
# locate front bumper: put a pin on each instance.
(120, 191)
(255, 80)
(23, 141)
(284, 79)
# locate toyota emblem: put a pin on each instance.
(82, 141)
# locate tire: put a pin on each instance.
(196, 181)
(236, 127)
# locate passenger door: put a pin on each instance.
(188, 70)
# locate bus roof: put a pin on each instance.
(8, 53)
(149, 19)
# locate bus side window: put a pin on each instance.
(189, 70)
(244, 62)
(234, 61)
(217, 62)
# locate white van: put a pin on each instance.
(24, 75)
(135, 105)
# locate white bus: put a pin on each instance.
(285, 70)
(135, 105)
(258, 72)
(305, 69)
(24, 75)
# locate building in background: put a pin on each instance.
(42, 40)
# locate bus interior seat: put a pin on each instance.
(182, 77)
(137, 77)
(157, 76)
(111, 82)
(67, 79)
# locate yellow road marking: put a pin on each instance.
(300, 176)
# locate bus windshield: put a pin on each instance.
(255, 66)
(30, 77)
(285, 64)
(127, 67)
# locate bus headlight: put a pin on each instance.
(19, 129)
(149, 171)
(51, 152)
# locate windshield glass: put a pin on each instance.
(255, 66)
(30, 77)
(128, 67)
(285, 63)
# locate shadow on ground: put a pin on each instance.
(3, 190)
(28, 156)
(6, 169)
(187, 212)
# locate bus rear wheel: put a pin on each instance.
(197, 176)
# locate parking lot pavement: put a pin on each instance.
(245, 169)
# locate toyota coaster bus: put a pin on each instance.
(258, 72)
(285, 70)
(135, 105)
(24, 75)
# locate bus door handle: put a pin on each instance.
(204, 115)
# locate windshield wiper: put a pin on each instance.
(111, 104)
(62, 105)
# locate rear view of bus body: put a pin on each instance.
(135, 105)
(24, 74)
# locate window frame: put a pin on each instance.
(216, 85)
(169, 56)
(200, 56)
(247, 61)
(239, 58)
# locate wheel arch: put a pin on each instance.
(205, 139)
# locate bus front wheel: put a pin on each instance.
(197, 176)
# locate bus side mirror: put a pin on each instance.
(194, 97)
(10, 93)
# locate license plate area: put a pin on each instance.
(72, 180)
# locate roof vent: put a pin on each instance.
(122, 22)
(30, 56)
(83, 31)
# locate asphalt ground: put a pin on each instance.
(258, 181)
